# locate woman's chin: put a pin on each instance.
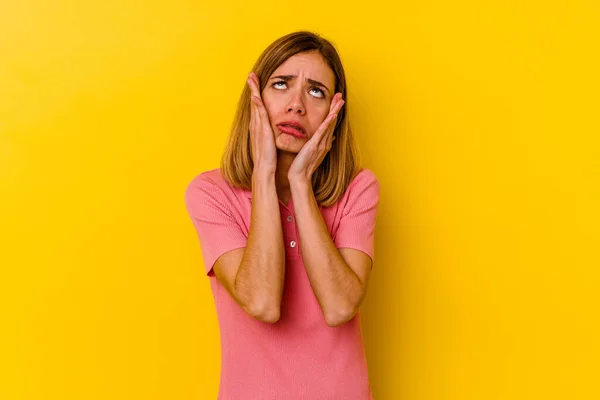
(289, 143)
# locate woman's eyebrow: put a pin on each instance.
(317, 83)
(286, 78)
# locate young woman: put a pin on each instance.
(286, 229)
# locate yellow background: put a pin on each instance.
(479, 118)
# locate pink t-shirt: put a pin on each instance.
(299, 356)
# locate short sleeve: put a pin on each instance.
(356, 229)
(210, 212)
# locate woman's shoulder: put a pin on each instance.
(209, 182)
(364, 187)
(364, 174)
(364, 179)
(210, 177)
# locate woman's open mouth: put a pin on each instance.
(292, 130)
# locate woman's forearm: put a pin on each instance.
(260, 277)
(337, 288)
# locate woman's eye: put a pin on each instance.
(320, 93)
(315, 91)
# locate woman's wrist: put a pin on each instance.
(262, 176)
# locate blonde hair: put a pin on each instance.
(331, 179)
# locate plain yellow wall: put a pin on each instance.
(479, 118)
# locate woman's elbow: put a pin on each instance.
(269, 314)
(340, 318)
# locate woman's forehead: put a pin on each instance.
(310, 65)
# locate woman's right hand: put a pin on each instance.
(262, 140)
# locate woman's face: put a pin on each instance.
(299, 93)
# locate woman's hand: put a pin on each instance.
(316, 148)
(262, 139)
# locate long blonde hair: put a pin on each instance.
(331, 179)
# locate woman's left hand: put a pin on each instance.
(316, 148)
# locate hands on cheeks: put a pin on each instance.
(263, 143)
(316, 148)
(262, 139)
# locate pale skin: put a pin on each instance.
(300, 90)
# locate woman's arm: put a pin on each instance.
(339, 282)
(338, 278)
(256, 281)
(261, 274)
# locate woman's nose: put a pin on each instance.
(295, 104)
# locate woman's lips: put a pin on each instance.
(291, 131)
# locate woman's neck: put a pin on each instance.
(282, 183)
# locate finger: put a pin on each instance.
(261, 109)
(335, 111)
(249, 82)
(331, 128)
(257, 86)
(263, 123)
(251, 116)
(338, 106)
(255, 113)
(333, 102)
(334, 115)
(323, 129)
(254, 118)
(254, 85)
(336, 99)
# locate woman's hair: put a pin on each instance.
(331, 179)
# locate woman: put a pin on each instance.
(286, 229)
